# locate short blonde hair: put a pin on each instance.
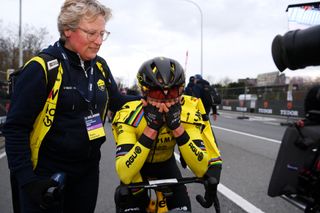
(72, 11)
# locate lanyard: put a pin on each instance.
(90, 77)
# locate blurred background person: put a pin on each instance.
(202, 89)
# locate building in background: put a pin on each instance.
(271, 78)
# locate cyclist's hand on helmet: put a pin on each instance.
(36, 190)
(172, 115)
(152, 115)
(210, 196)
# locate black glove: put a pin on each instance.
(153, 116)
(173, 116)
(36, 190)
(122, 196)
(125, 200)
(210, 196)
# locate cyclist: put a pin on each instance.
(146, 132)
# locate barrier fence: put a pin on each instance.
(273, 100)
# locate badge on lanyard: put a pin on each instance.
(94, 125)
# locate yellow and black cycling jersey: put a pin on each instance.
(197, 145)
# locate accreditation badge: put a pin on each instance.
(94, 126)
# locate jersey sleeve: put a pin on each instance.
(130, 153)
(209, 140)
(198, 127)
(131, 150)
(193, 150)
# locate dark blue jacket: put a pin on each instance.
(192, 90)
(199, 90)
(66, 146)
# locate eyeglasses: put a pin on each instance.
(164, 94)
(93, 35)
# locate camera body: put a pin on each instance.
(296, 172)
(297, 168)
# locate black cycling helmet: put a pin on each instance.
(160, 73)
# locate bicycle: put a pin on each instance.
(160, 188)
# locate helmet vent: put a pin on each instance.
(153, 67)
(172, 67)
(159, 78)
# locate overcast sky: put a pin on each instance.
(237, 35)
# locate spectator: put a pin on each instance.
(203, 90)
(190, 90)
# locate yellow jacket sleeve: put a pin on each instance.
(198, 126)
(193, 150)
(209, 140)
(131, 154)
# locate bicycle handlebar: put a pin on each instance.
(156, 184)
(204, 201)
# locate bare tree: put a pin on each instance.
(225, 81)
(33, 41)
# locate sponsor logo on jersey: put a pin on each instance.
(197, 153)
(131, 159)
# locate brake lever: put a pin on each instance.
(207, 201)
(203, 202)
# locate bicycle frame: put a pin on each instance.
(158, 205)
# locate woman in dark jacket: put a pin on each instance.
(59, 128)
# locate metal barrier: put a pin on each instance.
(272, 100)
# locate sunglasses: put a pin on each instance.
(164, 94)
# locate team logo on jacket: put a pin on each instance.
(101, 85)
(52, 64)
(196, 152)
(131, 159)
(138, 149)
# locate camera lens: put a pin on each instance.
(297, 49)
